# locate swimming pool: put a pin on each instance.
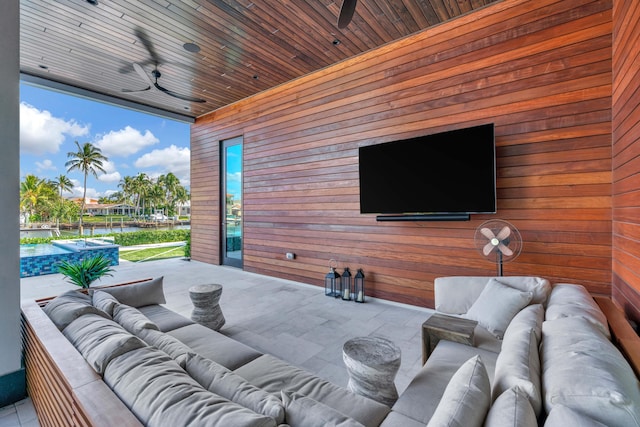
(41, 259)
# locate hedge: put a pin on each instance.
(127, 239)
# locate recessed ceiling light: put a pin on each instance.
(44, 67)
(255, 77)
(93, 2)
(191, 47)
(336, 42)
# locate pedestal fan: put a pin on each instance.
(498, 241)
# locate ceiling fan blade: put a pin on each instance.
(144, 39)
(487, 233)
(141, 73)
(135, 90)
(487, 249)
(346, 13)
(504, 233)
(505, 249)
(177, 95)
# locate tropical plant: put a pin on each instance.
(88, 160)
(85, 271)
(187, 247)
(63, 183)
(36, 196)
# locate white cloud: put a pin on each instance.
(171, 159)
(77, 190)
(110, 177)
(46, 165)
(42, 133)
(125, 142)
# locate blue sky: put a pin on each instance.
(133, 142)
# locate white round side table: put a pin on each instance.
(206, 307)
(372, 364)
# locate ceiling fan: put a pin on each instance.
(154, 83)
(155, 59)
(498, 241)
(346, 13)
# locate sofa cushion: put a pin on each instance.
(396, 419)
(104, 301)
(100, 340)
(166, 319)
(456, 294)
(575, 301)
(466, 399)
(65, 308)
(422, 395)
(518, 364)
(223, 382)
(139, 294)
(303, 411)
(497, 305)
(132, 319)
(584, 371)
(175, 348)
(530, 317)
(561, 416)
(273, 375)
(512, 409)
(215, 346)
(161, 394)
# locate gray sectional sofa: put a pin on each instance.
(542, 355)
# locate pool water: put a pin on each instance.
(41, 249)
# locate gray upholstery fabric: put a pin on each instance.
(530, 317)
(213, 345)
(139, 294)
(173, 347)
(100, 340)
(584, 371)
(221, 381)
(303, 411)
(396, 419)
(273, 375)
(575, 301)
(512, 409)
(132, 319)
(161, 394)
(561, 416)
(69, 306)
(167, 320)
(466, 399)
(421, 397)
(104, 301)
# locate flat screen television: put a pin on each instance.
(446, 173)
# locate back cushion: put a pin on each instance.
(132, 319)
(161, 394)
(69, 306)
(575, 301)
(139, 294)
(100, 340)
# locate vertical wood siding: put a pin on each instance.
(540, 70)
(626, 155)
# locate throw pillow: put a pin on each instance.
(100, 340)
(139, 294)
(466, 399)
(104, 301)
(530, 317)
(497, 305)
(172, 346)
(132, 319)
(512, 409)
(69, 306)
(518, 364)
(223, 382)
(304, 411)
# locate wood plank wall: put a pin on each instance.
(540, 70)
(626, 156)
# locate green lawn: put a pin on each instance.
(153, 254)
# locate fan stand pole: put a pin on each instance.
(499, 263)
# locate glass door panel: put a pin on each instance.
(232, 203)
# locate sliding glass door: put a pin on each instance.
(232, 202)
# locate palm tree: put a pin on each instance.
(63, 183)
(88, 159)
(142, 186)
(36, 195)
(170, 185)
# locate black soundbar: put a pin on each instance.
(424, 217)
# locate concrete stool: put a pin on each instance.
(372, 364)
(206, 308)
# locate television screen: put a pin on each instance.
(451, 172)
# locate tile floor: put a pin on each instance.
(293, 321)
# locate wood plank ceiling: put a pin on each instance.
(245, 47)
